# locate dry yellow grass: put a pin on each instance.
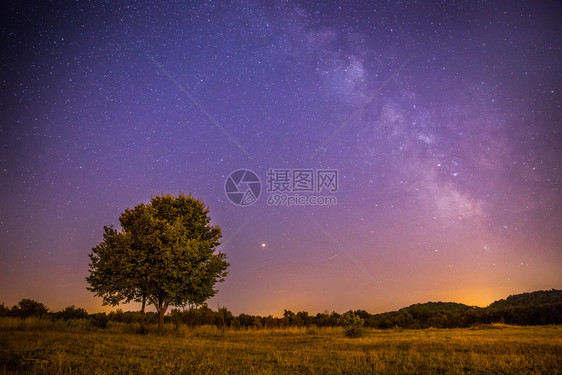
(209, 350)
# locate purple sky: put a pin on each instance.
(443, 121)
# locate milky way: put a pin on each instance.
(443, 121)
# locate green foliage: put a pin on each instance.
(270, 322)
(4, 310)
(27, 308)
(99, 320)
(225, 316)
(353, 325)
(235, 324)
(541, 297)
(164, 254)
(71, 312)
(258, 322)
(516, 310)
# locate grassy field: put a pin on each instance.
(44, 347)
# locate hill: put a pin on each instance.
(540, 307)
(538, 298)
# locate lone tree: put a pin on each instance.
(164, 254)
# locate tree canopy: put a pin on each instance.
(30, 308)
(164, 254)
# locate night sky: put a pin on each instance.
(443, 120)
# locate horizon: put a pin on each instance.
(150, 308)
(404, 152)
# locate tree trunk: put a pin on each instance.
(143, 316)
(160, 321)
(161, 307)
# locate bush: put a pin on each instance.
(4, 311)
(235, 324)
(27, 308)
(71, 312)
(353, 325)
(99, 320)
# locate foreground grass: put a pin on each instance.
(504, 350)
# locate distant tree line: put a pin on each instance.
(542, 307)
